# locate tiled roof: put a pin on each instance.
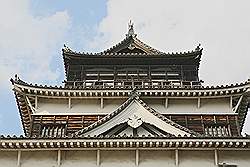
(14, 142)
(22, 88)
(153, 52)
(131, 42)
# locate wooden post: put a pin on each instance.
(19, 158)
(69, 103)
(137, 157)
(231, 102)
(166, 103)
(199, 103)
(216, 157)
(59, 157)
(176, 157)
(102, 105)
(98, 157)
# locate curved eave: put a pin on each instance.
(23, 108)
(242, 111)
(69, 56)
(25, 124)
(24, 113)
(189, 54)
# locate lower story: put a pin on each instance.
(195, 157)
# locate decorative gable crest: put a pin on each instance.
(135, 121)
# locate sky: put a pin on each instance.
(33, 33)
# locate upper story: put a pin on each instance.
(131, 63)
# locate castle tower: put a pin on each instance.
(128, 100)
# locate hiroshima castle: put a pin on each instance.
(129, 105)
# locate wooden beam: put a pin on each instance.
(216, 157)
(166, 103)
(176, 157)
(137, 157)
(98, 158)
(59, 158)
(29, 104)
(19, 158)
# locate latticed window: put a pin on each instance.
(217, 130)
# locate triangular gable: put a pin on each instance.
(131, 44)
(135, 113)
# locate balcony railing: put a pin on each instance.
(132, 84)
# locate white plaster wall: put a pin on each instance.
(126, 158)
(48, 106)
(175, 106)
(241, 158)
(8, 159)
(117, 158)
(86, 106)
(218, 105)
(190, 106)
(157, 158)
(38, 158)
(78, 158)
(196, 158)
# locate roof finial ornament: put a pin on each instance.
(66, 48)
(131, 31)
(198, 47)
(16, 77)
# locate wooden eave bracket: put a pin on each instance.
(235, 109)
(33, 109)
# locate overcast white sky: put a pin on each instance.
(33, 32)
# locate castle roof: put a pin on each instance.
(25, 95)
